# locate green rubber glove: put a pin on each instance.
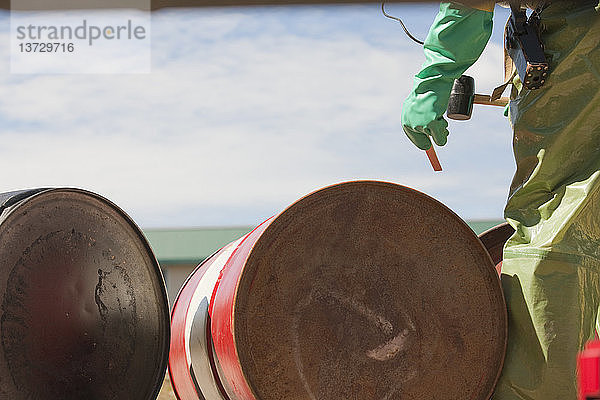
(455, 41)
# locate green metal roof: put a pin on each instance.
(480, 226)
(192, 245)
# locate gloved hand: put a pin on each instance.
(455, 41)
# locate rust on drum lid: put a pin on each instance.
(373, 291)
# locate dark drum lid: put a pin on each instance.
(369, 291)
(494, 240)
(84, 313)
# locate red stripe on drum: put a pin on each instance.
(221, 313)
(179, 360)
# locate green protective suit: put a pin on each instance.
(551, 268)
(552, 263)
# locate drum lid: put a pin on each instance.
(494, 240)
(84, 308)
(369, 290)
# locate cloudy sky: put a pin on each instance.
(246, 110)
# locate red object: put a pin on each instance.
(588, 371)
(433, 159)
(229, 378)
(221, 312)
(307, 259)
(499, 268)
(179, 359)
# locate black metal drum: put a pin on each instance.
(84, 311)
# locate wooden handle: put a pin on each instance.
(433, 159)
(486, 101)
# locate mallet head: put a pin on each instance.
(460, 104)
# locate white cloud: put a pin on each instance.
(244, 112)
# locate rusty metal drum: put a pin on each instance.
(362, 290)
(84, 311)
(191, 361)
(494, 240)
